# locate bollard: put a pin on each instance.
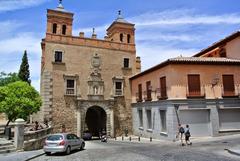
(122, 138)
(130, 138)
(115, 138)
(138, 138)
(150, 139)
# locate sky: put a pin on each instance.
(164, 29)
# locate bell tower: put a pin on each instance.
(121, 31)
(59, 21)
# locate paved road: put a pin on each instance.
(155, 151)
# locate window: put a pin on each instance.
(228, 85)
(70, 90)
(163, 120)
(194, 88)
(64, 28)
(149, 91)
(121, 37)
(163, 87)
(70, 84)
(140, 92)
(118, 88)
(149, 119)
(128, 38)
(58, 56)
(54, 28)
(126, 62)
(140, 118)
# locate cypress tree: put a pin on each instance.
(24, 72)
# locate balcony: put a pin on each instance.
(161, 94)
(118, 92)
(70, 91)
(147, 95)
(229, 94)
(197, 93)
(139, 97)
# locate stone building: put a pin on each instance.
(85, 81)
(202, 91)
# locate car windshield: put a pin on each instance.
(55, 137)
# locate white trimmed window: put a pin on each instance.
(118, 86)
(70, 84)
(58, 56)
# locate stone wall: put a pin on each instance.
(34, 140)
(122, 116)
(64, 114)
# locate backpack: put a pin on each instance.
(181, 130)
(187, 133)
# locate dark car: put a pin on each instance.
(87, 135)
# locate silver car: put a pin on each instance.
(62, 142)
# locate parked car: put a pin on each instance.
(62, 142)
(87, 135)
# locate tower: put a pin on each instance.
(121, 31)
(59, 21)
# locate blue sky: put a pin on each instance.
(164, 29)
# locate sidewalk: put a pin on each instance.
(134, 139)
(21, 156)
(235, 151)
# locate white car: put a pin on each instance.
(62, 142)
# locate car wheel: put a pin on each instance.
(82, 146)
(48, 153)
(68, 150)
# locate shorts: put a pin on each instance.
(187, 138)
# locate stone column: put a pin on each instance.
(19, 134)
(112, 123)
(214, 120)
(172, 122)
(79, 132)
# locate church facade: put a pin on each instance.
(85, 81)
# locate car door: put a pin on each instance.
(77, 142)
(70, 141)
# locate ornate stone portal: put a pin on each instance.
(95, 82)
(95, 100)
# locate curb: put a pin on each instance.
(36, 156)
(233, 152)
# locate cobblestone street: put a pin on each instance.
(154, 151)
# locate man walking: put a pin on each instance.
(187, 135)
(181, 132)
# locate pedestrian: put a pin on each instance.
(181, 132)
(187, 135)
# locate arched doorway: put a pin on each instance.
(96, 120)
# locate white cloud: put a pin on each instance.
(36, 84)
(21, 42)
(154, 54)
(182, 17)
(8, 27)
(152, 36)
(9, 5)
(12, 51)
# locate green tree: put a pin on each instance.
(19, 100)
(8, 78)
(24, 73)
